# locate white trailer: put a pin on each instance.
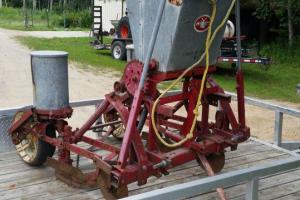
(112, 10)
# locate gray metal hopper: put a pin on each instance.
(179, 44)
(50, 80)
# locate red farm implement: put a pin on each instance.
(159, 130)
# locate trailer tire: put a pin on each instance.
(123, 30)
(118, 50)
(38, 150)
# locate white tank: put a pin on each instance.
(229, 30)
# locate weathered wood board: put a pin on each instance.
(19, 181)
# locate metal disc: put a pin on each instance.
(216, 161)
(109, 192)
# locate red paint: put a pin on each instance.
(202, 23)
(134, 162)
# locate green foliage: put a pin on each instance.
(13, 3)
(264, 10)
(281, 53)
(276, 10)
(81, 19)
(279, 82)
(44, 4)
(13, 18)
(7, 13)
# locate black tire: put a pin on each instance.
(42, 150)
(118, 50)
(124, 23)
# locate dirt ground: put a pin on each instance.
(15, 75)
(16, 87)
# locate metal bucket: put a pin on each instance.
(50, 80)
(182, 34)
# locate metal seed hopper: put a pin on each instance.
(180, 39)
(175, 40)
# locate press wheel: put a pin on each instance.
(116, 130)
(31, 149)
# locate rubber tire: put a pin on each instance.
(44, 149)
(124, 21)
(122, 46)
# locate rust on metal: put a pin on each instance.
(176, 2)
(71, 175)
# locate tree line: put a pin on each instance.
(282, 16)
(48, 4)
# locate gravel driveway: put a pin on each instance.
(15, 75)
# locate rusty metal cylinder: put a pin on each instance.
(50, 80)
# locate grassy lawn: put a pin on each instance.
(279, 82)
(79, 50)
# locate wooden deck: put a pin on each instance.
(19, 181)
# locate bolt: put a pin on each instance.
(162, 164)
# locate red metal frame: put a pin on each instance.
(135, 162)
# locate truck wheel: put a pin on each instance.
(118, 50)
(123, 30)
(34, 151)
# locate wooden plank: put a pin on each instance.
(293, 196)
(278, 191)
(238, 191)
(242, 151)
(185, 173)
(15, 166)
(36, 176)
(27, 192)
(176, 182)
(248, 154)
(89, 195)
(12, 156)
(186, 176)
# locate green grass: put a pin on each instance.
(279, 82)
(79, 51)
(13, 18)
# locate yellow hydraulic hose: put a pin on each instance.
(209, 39)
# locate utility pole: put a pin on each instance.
(0, 3)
